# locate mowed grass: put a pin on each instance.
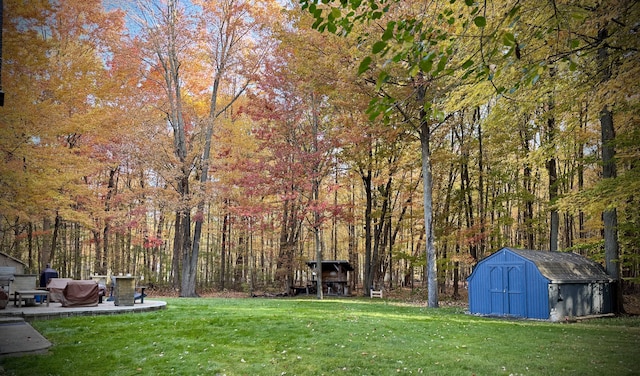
(213, 336)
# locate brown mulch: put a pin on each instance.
(632, 304)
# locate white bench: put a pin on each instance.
(375, 293)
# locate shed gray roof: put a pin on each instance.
(565, 267)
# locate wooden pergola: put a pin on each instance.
(335, 276)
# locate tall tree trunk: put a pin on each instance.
(425, 139)
(187, 285)
(223, 250)
(189, 280)
(16, 246)
(223, 51)
(289, 237)
(580, 156)
(481, 189)
(118, 255)
(368, 267)
(167, 49)
(104, 265)
(465, 181)
(238, 275)
(176, 252)
(552, 171)
(111, 191)
(318, 250)
(170, 61)
(131, 260)
(54, 238)
(353, 247)
(315, 196)
(77, 251)
(525, 137)
(30, 243)
(390, 235)
(97, 240)
(334, 219)
(45, 251)
(610, 216)
(380, 235)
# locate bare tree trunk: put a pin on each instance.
(552, 171)
(118, 257)
(353, 246)
(425, 139)
(315, 195)
(30, 242)
(177, 244)
(610, 216)
(334, 220)
(481, 189)
(54, 238)
(16, 244)
(97, 241)
(45, 251)
(111, 191)
(188, 278)
(77, 251)
(368, 267)
(580, 149)
(527, 183)
(223, 251)
(169, 59)
(238, 275)
(465, 182)
(318, 249)
(289, 236)
(380, 234)
(223, 51)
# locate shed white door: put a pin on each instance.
(507, 289)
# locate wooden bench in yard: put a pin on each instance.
(375, 293)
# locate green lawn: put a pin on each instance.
(309, 337)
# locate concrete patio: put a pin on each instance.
(56, 310)
(17, 336)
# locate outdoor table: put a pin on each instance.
(17, 296)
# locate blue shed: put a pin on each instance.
(539, 285)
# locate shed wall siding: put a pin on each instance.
(580, 299)
(537, 293)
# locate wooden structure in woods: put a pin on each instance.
(335, 276)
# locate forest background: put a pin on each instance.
(223, 144)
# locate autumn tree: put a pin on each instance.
(59, 103)
(226, 38)
(291, 168)
(422, 63)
